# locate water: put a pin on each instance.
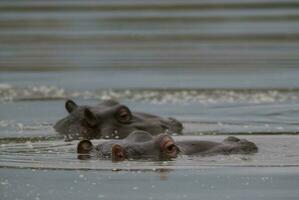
(222, 68)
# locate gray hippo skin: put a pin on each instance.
(142, 145)
(110, 119)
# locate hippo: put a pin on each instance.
(110, 119)
(142, 145)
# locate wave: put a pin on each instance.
(33, 93)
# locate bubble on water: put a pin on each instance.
(4, 123)
(5, 182)
(135, 188)
(20, 127)
(100, 196)
(81, 176)
(264, 178)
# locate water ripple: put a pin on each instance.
(61, 155)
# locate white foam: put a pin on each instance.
(155, 96)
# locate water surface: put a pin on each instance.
(221, 67)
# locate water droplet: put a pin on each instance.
(135, 188)
(81, 176)
(5, 182)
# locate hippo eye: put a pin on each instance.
(124, 115)
(168, 146)
(171, 148)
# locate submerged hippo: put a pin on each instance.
(142, 145)
(110, 119)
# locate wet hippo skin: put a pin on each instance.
(142, 145)
(110, 119)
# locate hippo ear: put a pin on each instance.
(84, 148)
(90, 117)
(118, 153)
(70, 105)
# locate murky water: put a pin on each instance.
(221, 67)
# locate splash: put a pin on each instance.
(155, 96)
(11, 93)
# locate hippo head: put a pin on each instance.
(138, 145)
(110, 120)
